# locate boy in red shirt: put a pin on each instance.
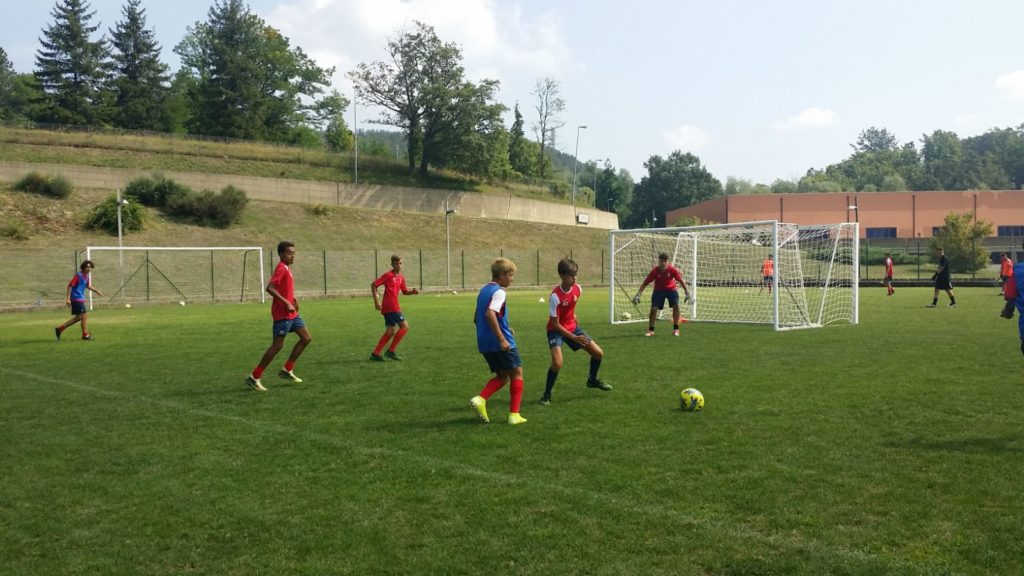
(393, 283)
(562, 327)
(664, 276)
(285, 312)
(888, 274)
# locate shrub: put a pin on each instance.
(208, 208)
(320, 210)
(104, 215)
(56, 186)
(16, 229)
(142, 190)
(154, 191)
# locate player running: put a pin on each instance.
(395, 323)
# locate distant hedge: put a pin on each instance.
(205, 208)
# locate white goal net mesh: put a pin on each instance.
(812, 279)
(160, 275)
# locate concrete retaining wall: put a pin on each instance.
(341, 194)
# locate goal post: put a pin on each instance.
(155, 274)
(811, 280)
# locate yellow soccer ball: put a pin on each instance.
(691, 400)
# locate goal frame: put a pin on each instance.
(242, 249)
(690, 270)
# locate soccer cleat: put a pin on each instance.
(598, 383)
(929, 305)
(515, 419)
(391, 354)
(57, 332)
(289, 376)
(952, 304)
(1008, 314)
(86, 336)
(675, 332)
(683, 320)
(376, 357)
(649, 333)
(480, 405)
(254, 383)
(545, 400)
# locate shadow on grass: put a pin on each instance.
(979, 445)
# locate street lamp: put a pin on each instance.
(575, 161)
(355, 132)
(121, 203)
(448, 242)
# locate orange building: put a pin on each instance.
(880, 214)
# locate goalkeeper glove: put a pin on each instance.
(687, 298)
(636, 299)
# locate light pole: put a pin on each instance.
(575, 161)
(448, 242)
(355, 132)
(121, 203)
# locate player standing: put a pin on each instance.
(75, 298)
(943, 281)
(563, 327)
(395, 323)
(888, 274)
(767, 274)
(496, 341)
(1005, 272)
(285, 312)
(664, 276)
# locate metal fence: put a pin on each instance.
(39, 278)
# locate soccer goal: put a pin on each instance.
(813, 279)
(142, 274)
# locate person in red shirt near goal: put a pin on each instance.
(395, 323)
(1005, 273)
(887, 281)
(563, 328)
(284, 309)
(665, 276)
(767, 274)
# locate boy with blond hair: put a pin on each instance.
(496, 341)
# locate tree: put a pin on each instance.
(520, 152)
(71, 68)
(783, 186)
(549, 105)
(248, 80)
(875, 140)
(674, 182)
(963, 237)
(735, 185)
(140, 78)
(7, 76)
(423, 92)
(943, 161)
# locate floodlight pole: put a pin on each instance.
(120, 239)
(355, 133)
(575, 161)
(448, 242)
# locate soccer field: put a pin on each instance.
(891, 447)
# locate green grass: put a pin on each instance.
(891, 447)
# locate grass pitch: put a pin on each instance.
(891, 447)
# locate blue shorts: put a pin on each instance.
(78, 308)
(283, 327)
(555, 339)
(658, 298)
(393, 318)
(503, 361)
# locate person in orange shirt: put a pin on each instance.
(767, 274)
(1005, 272)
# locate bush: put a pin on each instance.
(56, 186)
(207, 208)
(320, 210)
(154, 191)
(16, 230)
(104, 215)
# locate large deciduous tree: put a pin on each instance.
(140, 78)
(422, 89)
(248, 80)
(549, 105)
(963, 239)
(72, 68)
(943, 161)
(674, 182)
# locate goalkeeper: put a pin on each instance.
(665, 276)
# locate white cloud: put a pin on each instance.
(686, 138)
(1011, 84)
(497, 39)
(811, 118)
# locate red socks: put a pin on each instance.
(492, 386)
(516, 395)
(289, 366)
(257, 372)
(398, 338)
(381, 343)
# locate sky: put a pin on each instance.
(757, 90)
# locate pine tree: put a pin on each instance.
(140, 78)
(71, 68)
(6, 85)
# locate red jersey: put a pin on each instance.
(562, 308)
(663, 279)
(888, 267)
(1006, 270)
(283, 282)
(768, 268)
(393, 283)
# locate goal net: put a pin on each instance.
(159, 274)
(812, 280)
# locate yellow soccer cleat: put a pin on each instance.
(515, 419)
(480, 405)
(289, 376)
